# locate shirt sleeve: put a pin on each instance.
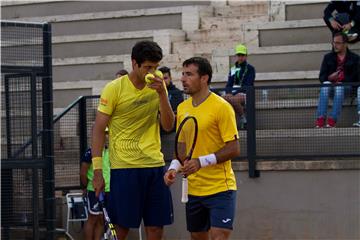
(108, 99)
(227, 123)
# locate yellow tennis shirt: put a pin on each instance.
(217, 125)
(134, 136)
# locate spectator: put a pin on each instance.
(121, 73)
(241, 75)
(93, 228)
(343, 16)
(134, 111)
(174, 94)
(338, 66)
(210, 211)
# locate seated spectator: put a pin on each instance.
(241, 75)
(338, 66)
(357, 124)
(121, 73)
(344, 16)
(174, 94)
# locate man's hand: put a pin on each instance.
(157, 85)
(169, 177)
(335, 25)
(191, 166)
(346, 26)
(334, 77)
(98, 182)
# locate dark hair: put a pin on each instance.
(343, 35)
(165, 69)
(204, 67)
(146, 51)
(122, 72)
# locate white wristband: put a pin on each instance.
(207, 160)
(175, 164)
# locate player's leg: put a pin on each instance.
(153, 233)
(99, 227)
(158, 209)
(121, 232)
(126, 200)
(222, 214)
(197, 218)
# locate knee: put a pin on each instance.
(154, 232)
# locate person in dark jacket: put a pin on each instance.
(241, 75)
(338, 67)
(174, 94)
(344, 16)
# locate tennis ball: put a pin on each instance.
(149, 77)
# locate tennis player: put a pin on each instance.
(134, 110)
(210, 211)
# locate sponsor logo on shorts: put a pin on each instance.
(226, 220)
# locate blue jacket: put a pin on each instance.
(241, 74)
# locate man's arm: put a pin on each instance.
(229, 151)
(167, 117)
(98, 139)
(324, 70)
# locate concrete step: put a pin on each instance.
(295, 32)
(279, 58)
(235, 33)
(230, 22)
(183, 17)
(301, 113)
(202, 47)
(89, 68)
(112, 43)
(18, 9)
(308, 142)
(273, 78)
(242, 8)
(304, 10)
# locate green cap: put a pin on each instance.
(241, 49)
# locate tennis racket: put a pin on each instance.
(109, 231)
(185, 141)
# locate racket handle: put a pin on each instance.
(184, 197)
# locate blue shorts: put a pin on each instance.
(139, 194)
(217, 210)
(93, 203)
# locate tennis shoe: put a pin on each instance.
(331, 123)
(320, 122)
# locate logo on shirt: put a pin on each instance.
(103, 101)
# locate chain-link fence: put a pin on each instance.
(26, 131)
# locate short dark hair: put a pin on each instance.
(204, 67)
(146, 51)
(343, 35)
(165, 69)
(122, 72)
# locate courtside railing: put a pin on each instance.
(280, 124)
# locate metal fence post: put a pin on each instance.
(82, 126)
(48, 135)
(251, 132)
